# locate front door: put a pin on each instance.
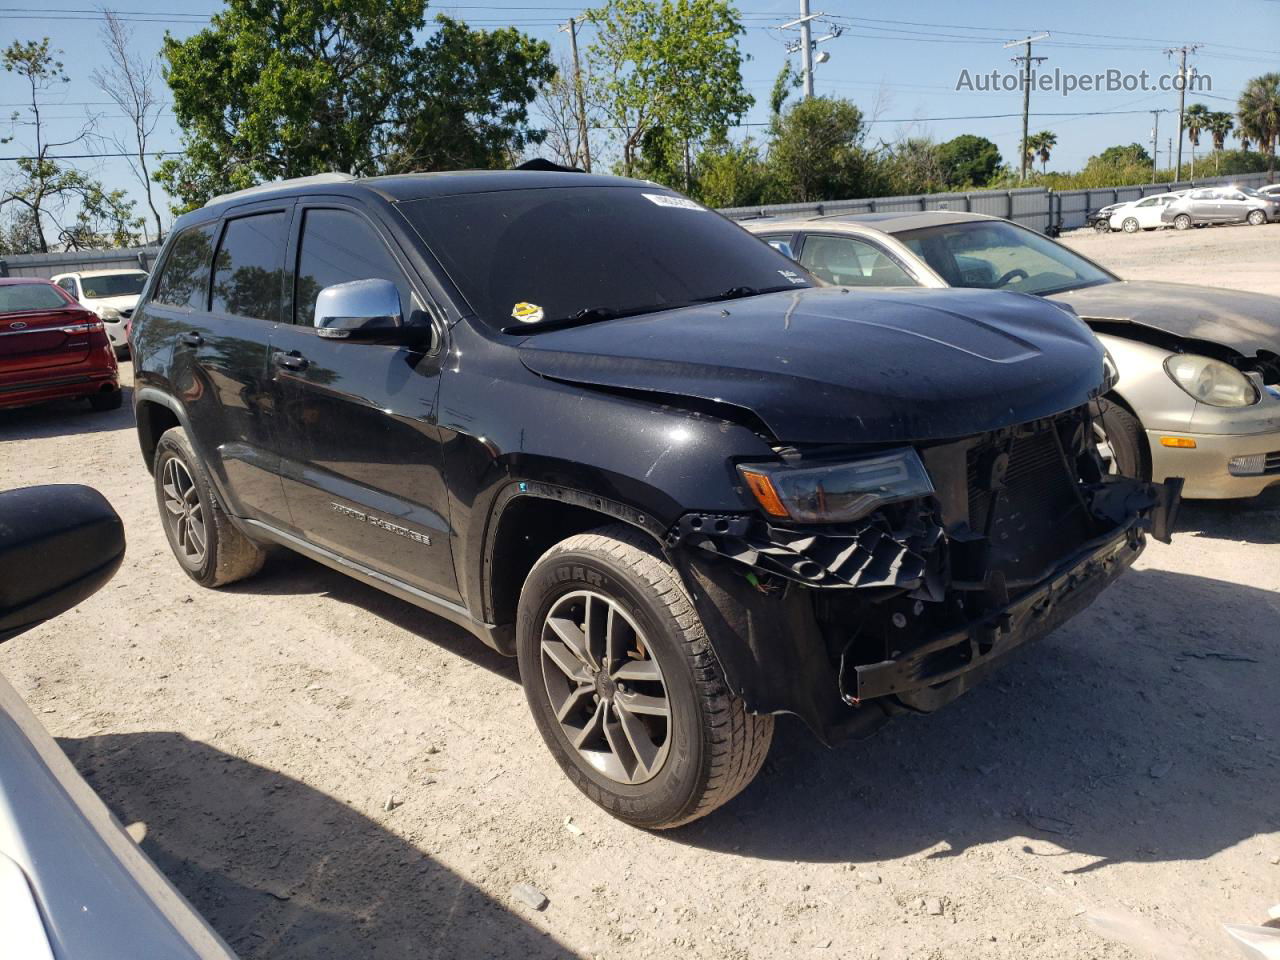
(356, 422)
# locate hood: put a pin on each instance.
(831, 366)
(1247, 322)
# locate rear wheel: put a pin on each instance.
(1257, 218)
(1119, 438)
(1182, 222)
(206, 545)
(623, 685)
(1130, 225)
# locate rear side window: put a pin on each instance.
(249, 270)
(20, 297)
(339, 246)
(184, 278)
(846, 261)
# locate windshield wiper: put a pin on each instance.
(584, 316)
(738, 293)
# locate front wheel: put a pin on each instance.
(623, 685)
(1118, 436)
(1130, 225)
(1101, 226)
(1257, 218)
(1182, 222)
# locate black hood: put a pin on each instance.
(1246, 322)
(831, 366)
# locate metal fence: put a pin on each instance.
(46, 265)
(1048, 211)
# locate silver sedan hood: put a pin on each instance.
(1246, 322)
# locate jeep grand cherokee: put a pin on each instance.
(613, 435)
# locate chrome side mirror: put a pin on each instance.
(358, 308)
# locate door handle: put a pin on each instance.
(192, 339)
(290, 361)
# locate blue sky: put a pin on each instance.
(899, 62)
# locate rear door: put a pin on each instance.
(219, 323)
(356, 423)
(41, 331)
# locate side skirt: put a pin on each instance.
(492, 635)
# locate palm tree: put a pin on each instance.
(1195, 118)
(1040, 144)
(1259, 112)
(1220, 124)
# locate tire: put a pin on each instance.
(1101, 226)
(711, 747)
(102, 402)
(1257, 218)
(1123, 433)
(222, 554)
(1130, 225)
(1182, 222)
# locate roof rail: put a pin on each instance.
(332, 176)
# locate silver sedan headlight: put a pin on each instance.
(1211, 381)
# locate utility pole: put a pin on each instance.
(1155, 144)
(807, 44)
(1026, 61)
(1182, 96)
(583, 138)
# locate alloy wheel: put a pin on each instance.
(605, 687)
(183, 511)
(1105, 450)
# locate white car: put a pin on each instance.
(1142, 214)
(111, 294)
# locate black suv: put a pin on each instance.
(613, 434)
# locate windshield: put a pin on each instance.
(528, 257)
(1000, 256)
(20, 297)
(113, 285)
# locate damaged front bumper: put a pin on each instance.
(907, 609)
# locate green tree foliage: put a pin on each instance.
(911, 166)
(731, 175)
(1133, 153)
(47, 194)
(286, 88)
(816, 151)
(1041, 145)
(1258, 110)
(968, 160)
(669, 64)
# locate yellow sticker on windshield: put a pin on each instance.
(527, 312)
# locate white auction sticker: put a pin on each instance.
(680, 203)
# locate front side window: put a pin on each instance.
(248, 272)
(850, 262)
(184, 278)
(22, 297)
(339, 246)
(524, 257)
(996, 255)
(113, 285)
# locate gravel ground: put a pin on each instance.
(1112, 794)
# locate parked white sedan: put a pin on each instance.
(111, 294)
(1142, 214)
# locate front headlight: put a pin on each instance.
(109, 313)
(1211, 381)
(837, 492)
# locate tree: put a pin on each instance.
(1041, 144)
(287, 88)
(81, 212)
(130, 83)
(673, 64)
(816, 153)
(557, 107)
(1123, 155)
(1259, 112)
(968, 160)
(1195, 118)
(786, 81)
(731, 175)
(911, 166)
(1219, 123)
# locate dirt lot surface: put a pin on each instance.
(1112, 794)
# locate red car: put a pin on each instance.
(51, 347)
